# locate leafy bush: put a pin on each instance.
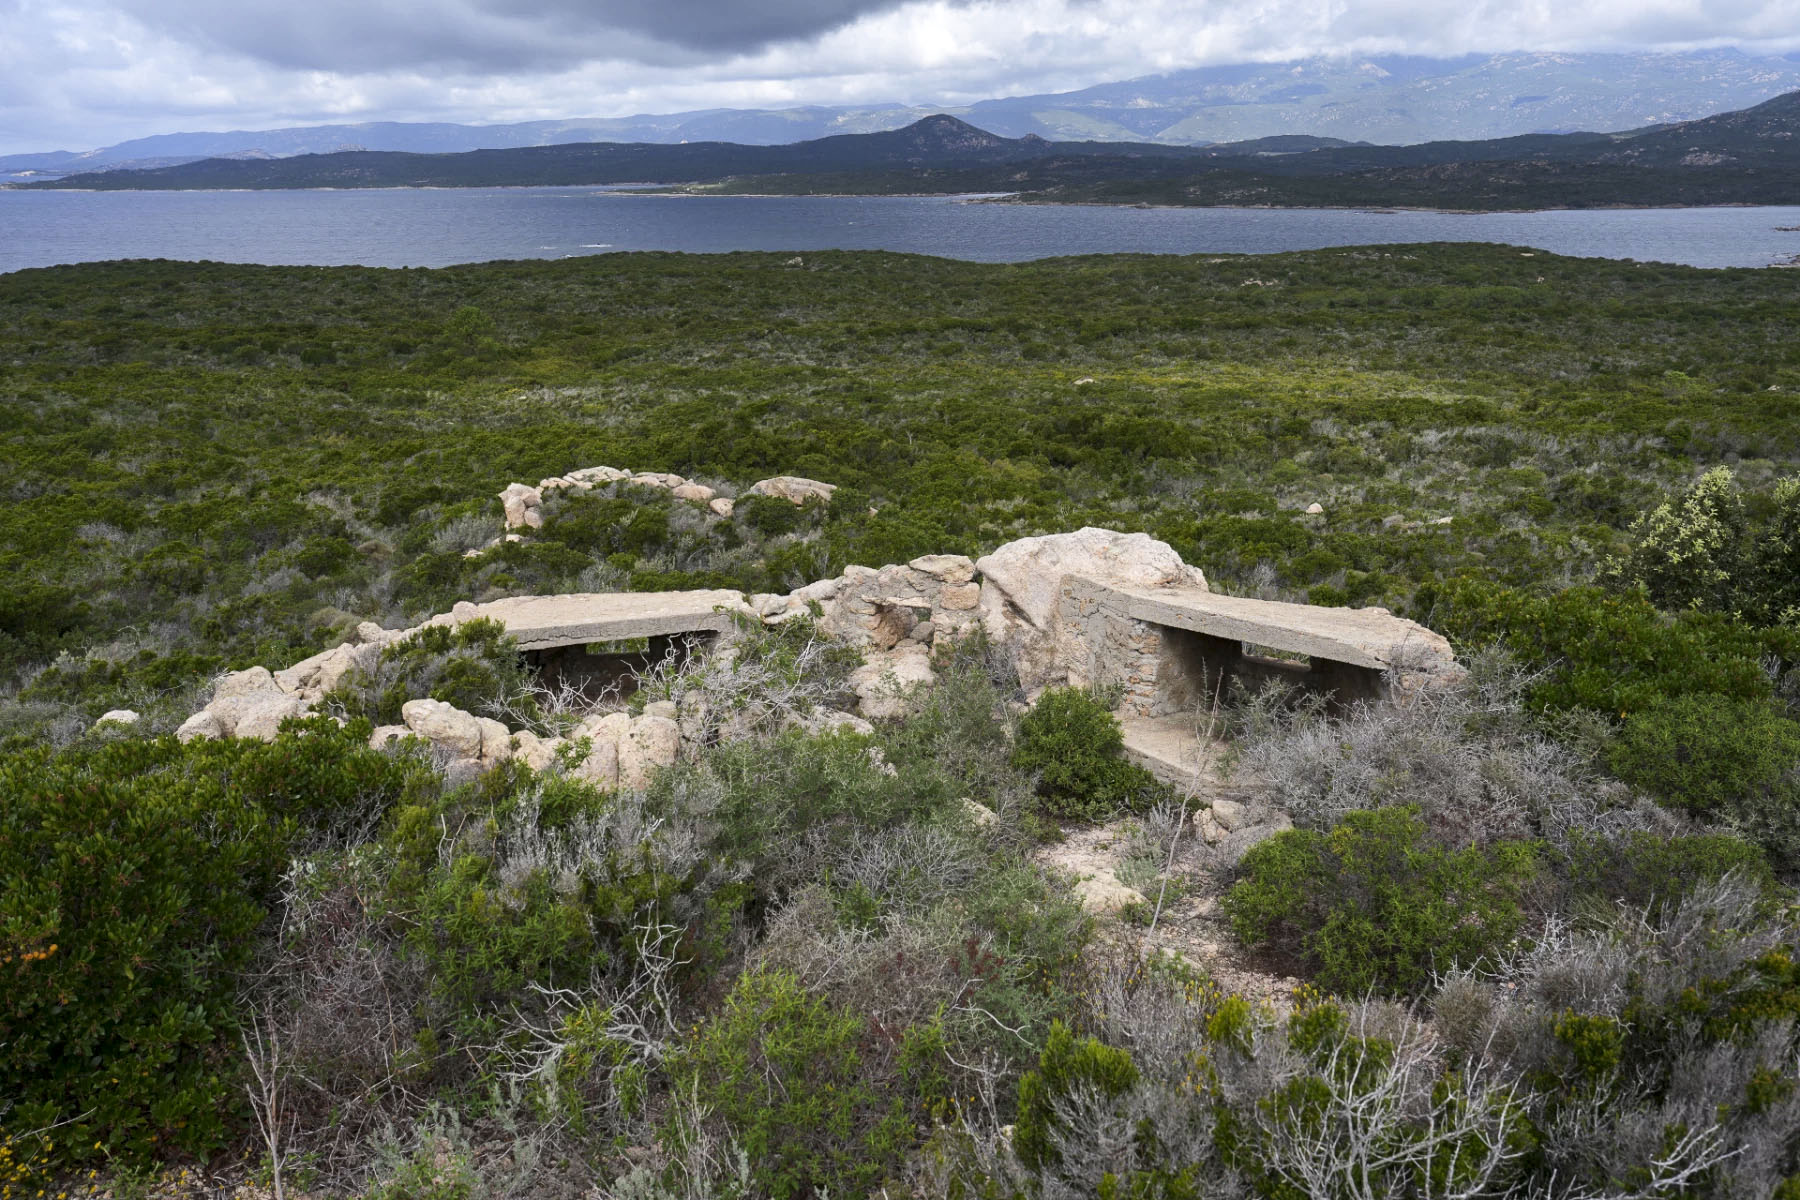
(473, 665)
(785, 808)
(1734, 760)
(1065, 1066)
(1648, 871)
(1074, 745)
(786, 1074)
(1714, 548)
(545, 886)
(137, 876)
(1702, 753)
(1373, 903)
(1613, 653)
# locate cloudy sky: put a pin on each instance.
(81, 73)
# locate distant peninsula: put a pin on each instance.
(1747, 157)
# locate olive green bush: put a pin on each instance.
(1065, 1066)
(1733, 760)
(787, 807)
(1649, 871)
(797, 1083)
(138, 875)
(1374, 904)
(546, 886)
(1612, 652)
(1072, 743)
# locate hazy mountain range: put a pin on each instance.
(1390, 100)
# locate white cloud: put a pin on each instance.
(77, 73)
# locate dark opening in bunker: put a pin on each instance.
(612, 670)
(1194, 667)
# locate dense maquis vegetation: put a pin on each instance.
(1553, 901)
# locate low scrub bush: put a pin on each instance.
(768, 675)
(1075, 747)
(1183, 1091)
(1731, 760)
(1374, 904)
(1653, 1047)
(790, 1077)
(138, 874)
(473, 665)
(1648, 870)
(789, 807)
(1468, 756)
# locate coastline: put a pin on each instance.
(679, 192)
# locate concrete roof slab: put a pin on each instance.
(543, 622)
(1363, 637)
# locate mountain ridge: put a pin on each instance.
(1746, 157)
(1387, 99)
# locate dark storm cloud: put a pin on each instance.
(494, 35)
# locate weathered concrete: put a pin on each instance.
(1173, 648)
(542, 622)
(1170, 748)
(1363, 637)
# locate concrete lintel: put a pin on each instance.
(1362, 637)
(543, 622)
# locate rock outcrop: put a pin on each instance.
(885, 681)
(793, 488)
(523, 506)
(247, 704)
(444, 725)
(1021, 586)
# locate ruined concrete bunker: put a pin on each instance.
(1171, 650)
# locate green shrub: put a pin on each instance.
(1373, 903)
(137, 874)
(1077, 750)
(1650, 871)
(790, 800)
(1701, 753)
(1609, 652)
(1715, 548)
(1064, 1065)
(1734, 760)
(541, 887)
(470, 665)
(786, 1074)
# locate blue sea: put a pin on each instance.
(438, 227)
